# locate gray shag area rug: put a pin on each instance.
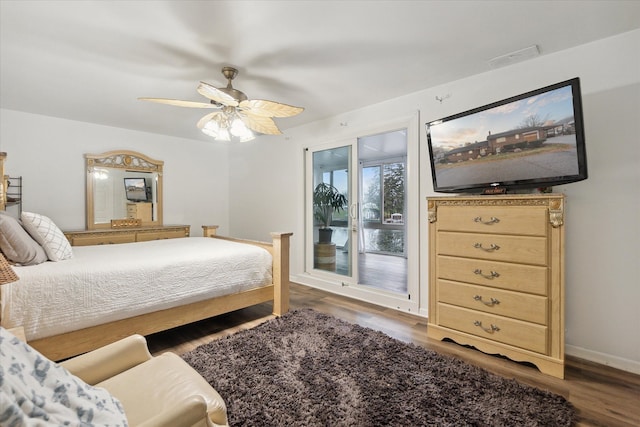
(310, 369)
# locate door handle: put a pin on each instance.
(353, 213)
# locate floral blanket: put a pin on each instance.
(35, 391)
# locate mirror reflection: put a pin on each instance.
(117, 192)
(123, 185)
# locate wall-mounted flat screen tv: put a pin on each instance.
(533, 140)
(135, 189)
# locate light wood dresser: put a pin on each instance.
(496, 275)
(142, 211)
(110, 236)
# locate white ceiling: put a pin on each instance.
(90, 60)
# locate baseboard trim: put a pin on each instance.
(623, 364)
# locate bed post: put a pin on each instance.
(280, 272)
(209, 230)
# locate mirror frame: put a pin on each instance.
(127, 160)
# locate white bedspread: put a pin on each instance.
(112, 282)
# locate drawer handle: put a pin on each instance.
(492, 247)
(493, 275)
(492, 220)
(490, 303)
(490, 330)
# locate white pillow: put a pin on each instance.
(17, 245)
(50, 237)
(35, 391)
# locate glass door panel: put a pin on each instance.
(331, 201)
(382, 253)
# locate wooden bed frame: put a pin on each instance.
(62, 346)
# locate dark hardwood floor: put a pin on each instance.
(388, 272)
(603, 396)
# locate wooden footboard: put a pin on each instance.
(69, 344)
(279, 250)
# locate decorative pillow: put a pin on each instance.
(37, 391)
(17, 245)
(45, 232)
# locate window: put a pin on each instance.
(372, 196)
(393, 190)
(383, 206)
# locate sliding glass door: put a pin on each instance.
(359, 209)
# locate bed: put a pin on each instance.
(107, 292)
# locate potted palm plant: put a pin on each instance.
(326, 200)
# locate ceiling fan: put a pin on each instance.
(238, 115)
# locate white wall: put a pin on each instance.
(49, 154)
(602, 218)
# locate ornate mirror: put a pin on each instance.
(123, 185)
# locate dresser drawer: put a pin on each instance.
(158, 235)
(108, 239)
(521, 249)
(516, 277)
(528, 221)
(521, 334)
(531, 308)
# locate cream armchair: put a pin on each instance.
(154, 391)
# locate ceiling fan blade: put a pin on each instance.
(203, 121)
(259, 124)
(264, 108)
(180, 103)
(213, 93)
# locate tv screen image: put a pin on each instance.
(135, 189)
(531, 140)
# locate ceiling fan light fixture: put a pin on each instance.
(247, 137)
(239, 117)
(211, 128)
(226, 126)
(223, 135)
(239, 129)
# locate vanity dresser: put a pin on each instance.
(111, 217)
(496, 275)
(126, 235)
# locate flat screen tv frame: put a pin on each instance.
(528, 141)
(139, 195)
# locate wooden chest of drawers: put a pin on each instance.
(143, 211)
(496, 275)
